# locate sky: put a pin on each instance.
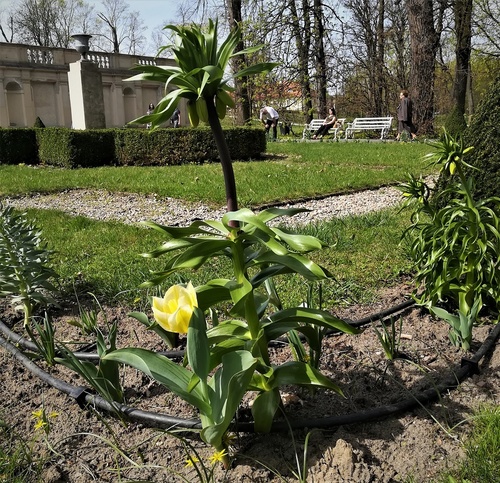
(153, 12)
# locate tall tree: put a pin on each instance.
(243, 110)
(47, 23)
(487, 22)
(8, 35)
(122, 30)
(320, 57)
(367, 41)
(302, 36)
(463, 32)
(424, 44)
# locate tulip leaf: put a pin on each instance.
(264, 408)
(300, 373)
(198, 351)
(296, 263)
(284, 320)
(227, 330)
(300, 243)
(229, 384)
(171, 375)
(211, 294)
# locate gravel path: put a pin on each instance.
(133, 208)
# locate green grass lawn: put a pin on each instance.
(290, 171)
(104, 258)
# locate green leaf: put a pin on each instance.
(264, 408)
(229, 385)
(296, 263)
(300, 243)
(176, 378)
(288, 319)
(299, 373)
(198, 352)
(212, 293)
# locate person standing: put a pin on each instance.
(269, 117)
(405, 115)
(175, 120)
(150, 110)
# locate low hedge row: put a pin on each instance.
(124, 147)
(18, 146)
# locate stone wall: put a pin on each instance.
(34, 83)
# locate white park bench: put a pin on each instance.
(315, 124)
(382, 124)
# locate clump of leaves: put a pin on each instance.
(25, 275)
(455, 247)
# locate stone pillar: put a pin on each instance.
(85, 95)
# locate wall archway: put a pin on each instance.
(129, 104)
(15, 104)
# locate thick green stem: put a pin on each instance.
(225, 156)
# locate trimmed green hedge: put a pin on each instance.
(103, 147)
(184, 145)
(76, 149)
(18, 146)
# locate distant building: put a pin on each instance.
(34, 83)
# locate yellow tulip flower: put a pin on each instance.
(173, 312)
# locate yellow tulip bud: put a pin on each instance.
(173, 312)
(453, 167)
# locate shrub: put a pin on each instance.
(184, 145)
(483, 135)
(455, 124)
(18, 146)
(71, 149)
(38, 123)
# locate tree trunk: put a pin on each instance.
(424, 43)
(319, 32)
(243, 113)
(302, 36)
(380, 105)
(463, 14)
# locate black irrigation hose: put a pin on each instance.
(158, 420)
(179, 354)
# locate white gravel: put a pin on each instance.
(132, 208)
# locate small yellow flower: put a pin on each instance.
(37, 414)
(173, 312)
(218, 456)
(191, 461)
(53, 414)
(40, 424)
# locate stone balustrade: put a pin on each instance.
(34, 83)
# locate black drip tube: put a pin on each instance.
(179, 354)
(158, 420)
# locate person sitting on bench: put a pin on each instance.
(328, 123)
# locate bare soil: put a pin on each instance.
(87, 446)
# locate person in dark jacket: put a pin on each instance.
(405, 115)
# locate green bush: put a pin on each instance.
(483, 135)
(184, 145)
(18, 146)
(71, 149)
(455, 124)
